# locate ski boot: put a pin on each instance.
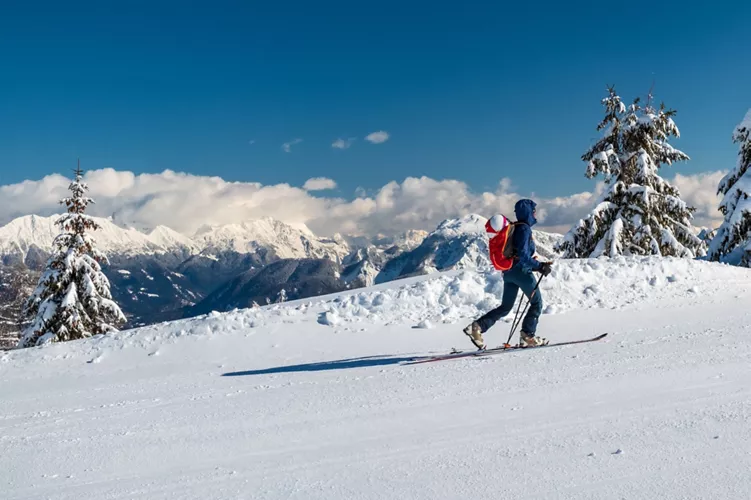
(474, 332)
(531, 340)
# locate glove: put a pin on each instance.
(546, 268)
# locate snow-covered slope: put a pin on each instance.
(313, 399)
(456, 244)
(21, 234)
(270, 235)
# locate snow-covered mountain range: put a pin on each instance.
(270, 236)
(162, 274)
(31, 233)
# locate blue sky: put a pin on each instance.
(474, 91)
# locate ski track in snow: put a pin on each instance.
(270, 403)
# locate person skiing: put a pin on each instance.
(518, 276)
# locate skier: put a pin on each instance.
(519, 276)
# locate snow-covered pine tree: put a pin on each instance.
(72, 299)
(16, 284)
(707, 235)
(734, 235)
(639, 213)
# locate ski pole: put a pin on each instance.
(518, 317)
(513, 323)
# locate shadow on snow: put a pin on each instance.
(341, 364)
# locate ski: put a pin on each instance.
(496, 350)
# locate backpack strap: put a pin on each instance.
(514, 255)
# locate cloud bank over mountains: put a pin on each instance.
(186, 202)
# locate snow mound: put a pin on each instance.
(573, 284)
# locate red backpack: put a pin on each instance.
(501, 231)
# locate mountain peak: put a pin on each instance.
(460, 243)
(470, 223)
(285, 241)
(167, 237)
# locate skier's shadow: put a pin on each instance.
(340, 364)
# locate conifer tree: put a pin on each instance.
(640, 213)
(72, 299)
(734, 235)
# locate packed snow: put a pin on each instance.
(316, 398)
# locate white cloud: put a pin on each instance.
(185, 202)
(343, 143)
(319, 184)
(377, 137)
(700, 192)
(252, 141)
(287, 146)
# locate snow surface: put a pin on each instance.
(311, 399)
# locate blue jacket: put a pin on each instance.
(523, 243)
